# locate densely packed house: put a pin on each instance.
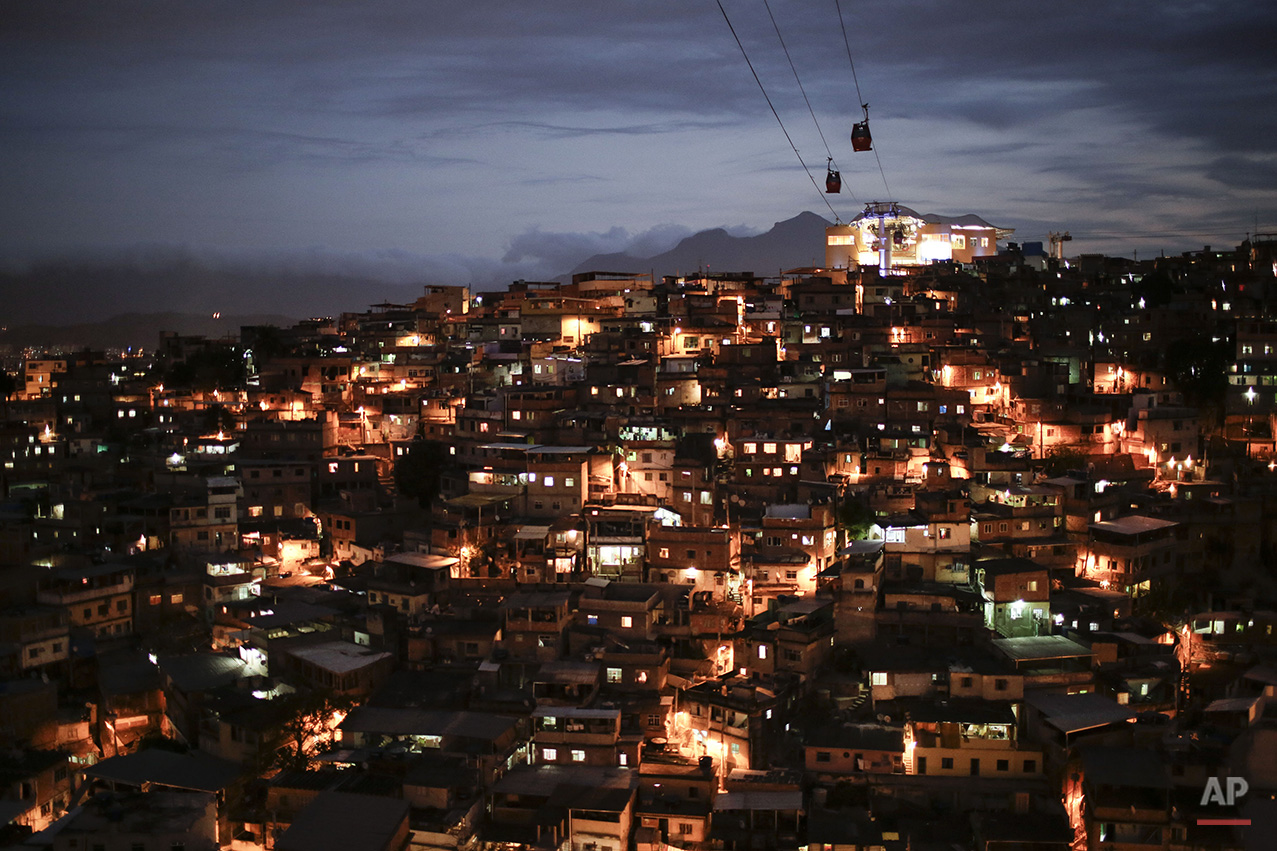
(972, 554)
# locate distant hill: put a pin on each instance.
(146, 292)
(139, 330)
(795, 242)
(85, 291)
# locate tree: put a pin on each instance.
(1156, 288)
(856, 518)
(208, 369)
(309, 726)
(1170, 600)
(8, 386)
(1199, 369)
(419, 471)
(218, 418)
(1061, 459)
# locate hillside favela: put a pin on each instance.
(952, 542)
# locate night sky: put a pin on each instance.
(483, 141)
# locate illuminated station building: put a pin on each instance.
(911, 239)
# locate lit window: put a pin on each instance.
(613, 675)
(762, 651)
(549, 481)
(578, 756)
(549, 754)
(879, 678)
(626, 621)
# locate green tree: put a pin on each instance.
(856, 518)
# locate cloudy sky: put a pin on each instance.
(465, 141)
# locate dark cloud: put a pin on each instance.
(1241, 172)
(562, 132)
(525, 132)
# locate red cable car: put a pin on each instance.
(833, 180)
(860, 138)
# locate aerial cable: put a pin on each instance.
(859, 97)
(837, 218)
(833, 162)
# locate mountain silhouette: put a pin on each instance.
(127, 298)
(795, 242)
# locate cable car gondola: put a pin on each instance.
(860, 138)
(833, 180)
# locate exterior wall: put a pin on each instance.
(568, 740)
(820, 760)
(556, 489)
(595, 834)
(978, 761)
(999, 686)
(276, 490)
(39, 637)
(105, 605)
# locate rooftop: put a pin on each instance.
(339, 657)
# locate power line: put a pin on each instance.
(860, 99)
(775, 113)
(834, 163)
